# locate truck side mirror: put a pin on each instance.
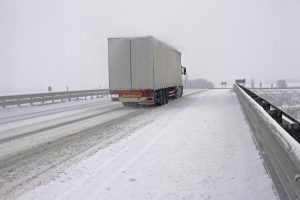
(183, 70)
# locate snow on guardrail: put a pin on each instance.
(280, 150)
(288, 142)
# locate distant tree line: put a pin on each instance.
(198, 83)
(280, 83)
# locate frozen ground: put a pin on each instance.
(286, 99)
(197, 147)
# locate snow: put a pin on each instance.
(14, 117)
(16, 123)
(26, 109)
(34, 140)
(187, 92)
(290, 145)
(48, 118)
(197, 147)
(286, 99)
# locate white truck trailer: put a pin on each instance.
(143, 70)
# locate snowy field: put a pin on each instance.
(197, 147)
(286, 99)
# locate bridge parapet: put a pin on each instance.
(277, 136)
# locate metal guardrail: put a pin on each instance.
(290, 124)
(276, 88)
(50, 97)
(276, 135)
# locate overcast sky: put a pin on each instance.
(64, 42)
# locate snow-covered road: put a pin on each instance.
(37, 140)
(197, 147)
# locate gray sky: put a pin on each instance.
(64, 42)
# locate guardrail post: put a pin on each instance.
(52, 98)
(252, 95)
(276, 115)
(294, 130)
(42, 99)
(258, 100)
(69, 96)
(31, 102)
(266, 105)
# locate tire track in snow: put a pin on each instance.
(20, 117)
(20, 170)
(8, 139)
(17, 171)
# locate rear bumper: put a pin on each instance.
(142, 100)
(144, 97)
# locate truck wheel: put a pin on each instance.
(158, 98)
(162, 97)
(176, 93)
(166, 97)
(163, 100)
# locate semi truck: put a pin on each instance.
(144, 70)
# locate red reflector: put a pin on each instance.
(147, 92)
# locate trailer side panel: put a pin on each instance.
(119, 64)
(167, 66)
(142, 63)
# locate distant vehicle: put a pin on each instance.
(143, 70)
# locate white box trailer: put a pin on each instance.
(143, 70)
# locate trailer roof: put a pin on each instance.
(153, 38)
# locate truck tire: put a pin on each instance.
(166, 96)
(163, 98)
(158, 98)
